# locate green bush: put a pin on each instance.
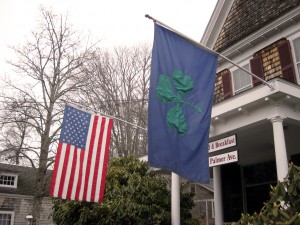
(284, 204)
(133, 195)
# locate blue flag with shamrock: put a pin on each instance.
(180, 102)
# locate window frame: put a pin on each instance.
(296, 63)
(12, 213)
(213, 209)
(10, 175)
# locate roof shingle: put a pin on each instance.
(246, 17)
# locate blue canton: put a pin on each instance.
(75, 127)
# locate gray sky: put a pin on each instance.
(115, 22)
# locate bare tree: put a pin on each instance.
(119, 87)
(16, 138)
(52, 63)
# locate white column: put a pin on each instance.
(175, 199)
(218, 196)
(280, 148)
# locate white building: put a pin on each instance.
(262, 37)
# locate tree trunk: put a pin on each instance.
(40, 187)
(42, 169)
(38, 196)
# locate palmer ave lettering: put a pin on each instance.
(231, 157)
(223, 158)
(222, 143)
(216, 159)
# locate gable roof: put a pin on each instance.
(216, 22)
(209, 186)
(233, 20)
(26, 179)
(245, 17)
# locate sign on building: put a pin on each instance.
(222, 143)
(225, 158)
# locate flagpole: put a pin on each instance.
(175, 199)
(198, 44)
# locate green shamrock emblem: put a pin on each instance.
(183, 85)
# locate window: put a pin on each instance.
(241, 80)
(8, 180)
(296, 44)
(193, 188)
(206, 210)
(212, 209)
(7, 218)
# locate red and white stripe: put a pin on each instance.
(80, 174)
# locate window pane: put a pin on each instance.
(193, 188)
(296, 43)
(241, 79)
(7, 180)
(5, 219)
(213, 209)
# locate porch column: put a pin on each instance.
(218, 196)
(280, 148)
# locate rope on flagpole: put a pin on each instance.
(100, 113)
(198, 44)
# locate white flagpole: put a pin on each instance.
(175, 199)
(198, 44)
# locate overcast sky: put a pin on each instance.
(115, 22)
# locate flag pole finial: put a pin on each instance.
(151, 18)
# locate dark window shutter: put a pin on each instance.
(256, 66)
(286, 61)
(227, 87)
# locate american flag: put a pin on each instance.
(82, 156)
